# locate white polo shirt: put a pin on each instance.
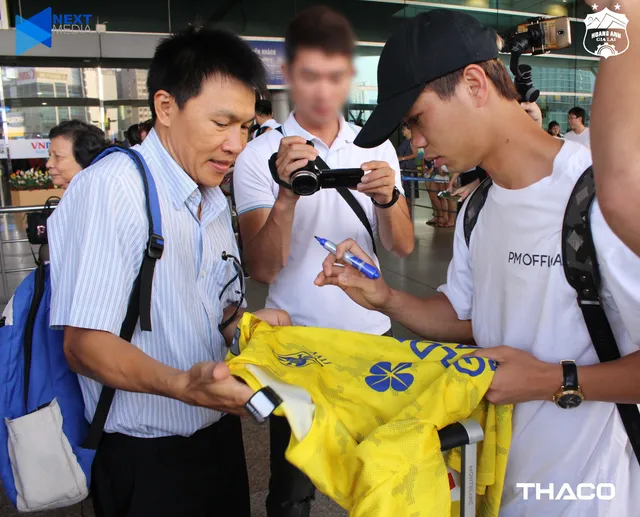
(324, 214)
(510, 282)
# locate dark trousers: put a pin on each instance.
(290, 491)
(204, 475)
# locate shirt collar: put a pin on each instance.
(346, 135)
(179, 184)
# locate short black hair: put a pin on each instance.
(319, 27)
(404, 125)
(263, 107)
(553, 123)
(133, 134)
(185, 59)
(147, 126)
(579, 113)
(87, 139)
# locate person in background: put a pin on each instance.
(173, 439)
(278, 227)
(579, 131)
(407, 156)
(145, 128)
(616, 154)
(438, 178)
(554, 129)
(73, 146)
(134, 136)
(264, 117)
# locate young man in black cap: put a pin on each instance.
(442, 75)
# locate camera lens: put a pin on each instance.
(560, 32)
(304, 183)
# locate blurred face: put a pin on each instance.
(61, 164)
(319, 84)
(451, 131)
(574, 122)
(555, 130)
(406, 133)
(143, 134)
(206, 136)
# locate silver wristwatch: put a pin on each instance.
(262, 404)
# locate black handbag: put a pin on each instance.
(37, 222)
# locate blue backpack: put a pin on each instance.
(47, 444)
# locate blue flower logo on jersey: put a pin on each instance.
(300, 359)
(383, 377)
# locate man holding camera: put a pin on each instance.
(568, 437)
(278, 227)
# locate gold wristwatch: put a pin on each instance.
(570, 395)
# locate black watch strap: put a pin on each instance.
(570, 375)
(394, 199)
(262, 404)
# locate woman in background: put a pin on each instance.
(73, 146)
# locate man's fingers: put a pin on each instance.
(382, 183)
(372, 176)
(499, 353)
(291, 154)
(353, 247)
(288, 141)
(370, 166)
(220, 372)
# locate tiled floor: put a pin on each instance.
(421, 273)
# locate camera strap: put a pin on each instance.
(346, 194)
(354, 204)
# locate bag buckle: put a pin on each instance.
(155, 246)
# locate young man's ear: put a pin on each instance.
(477, 84)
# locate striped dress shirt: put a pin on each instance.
(97, 237)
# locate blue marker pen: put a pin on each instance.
(366, 269)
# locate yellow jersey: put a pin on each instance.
(365, 410)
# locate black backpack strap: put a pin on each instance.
(27, 343)
(140, 298)
(474, 205)
(581, 269)
(346, 194)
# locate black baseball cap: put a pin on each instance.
(426, 47)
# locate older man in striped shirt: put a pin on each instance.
(168, 449)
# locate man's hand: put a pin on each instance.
(370, 294)
(379, 183)
(520, 377)
(533, 110)
(274, 317)
(211, 385)
(293, 154)
(464, 191)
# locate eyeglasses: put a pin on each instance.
(572, 117)
(238, 276)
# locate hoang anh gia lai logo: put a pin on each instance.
(36, 30)
(606, 33)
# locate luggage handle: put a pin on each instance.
(464, 434)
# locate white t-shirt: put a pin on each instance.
(583, 138)
(272, 123)
(324, 214)
(511, 284)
